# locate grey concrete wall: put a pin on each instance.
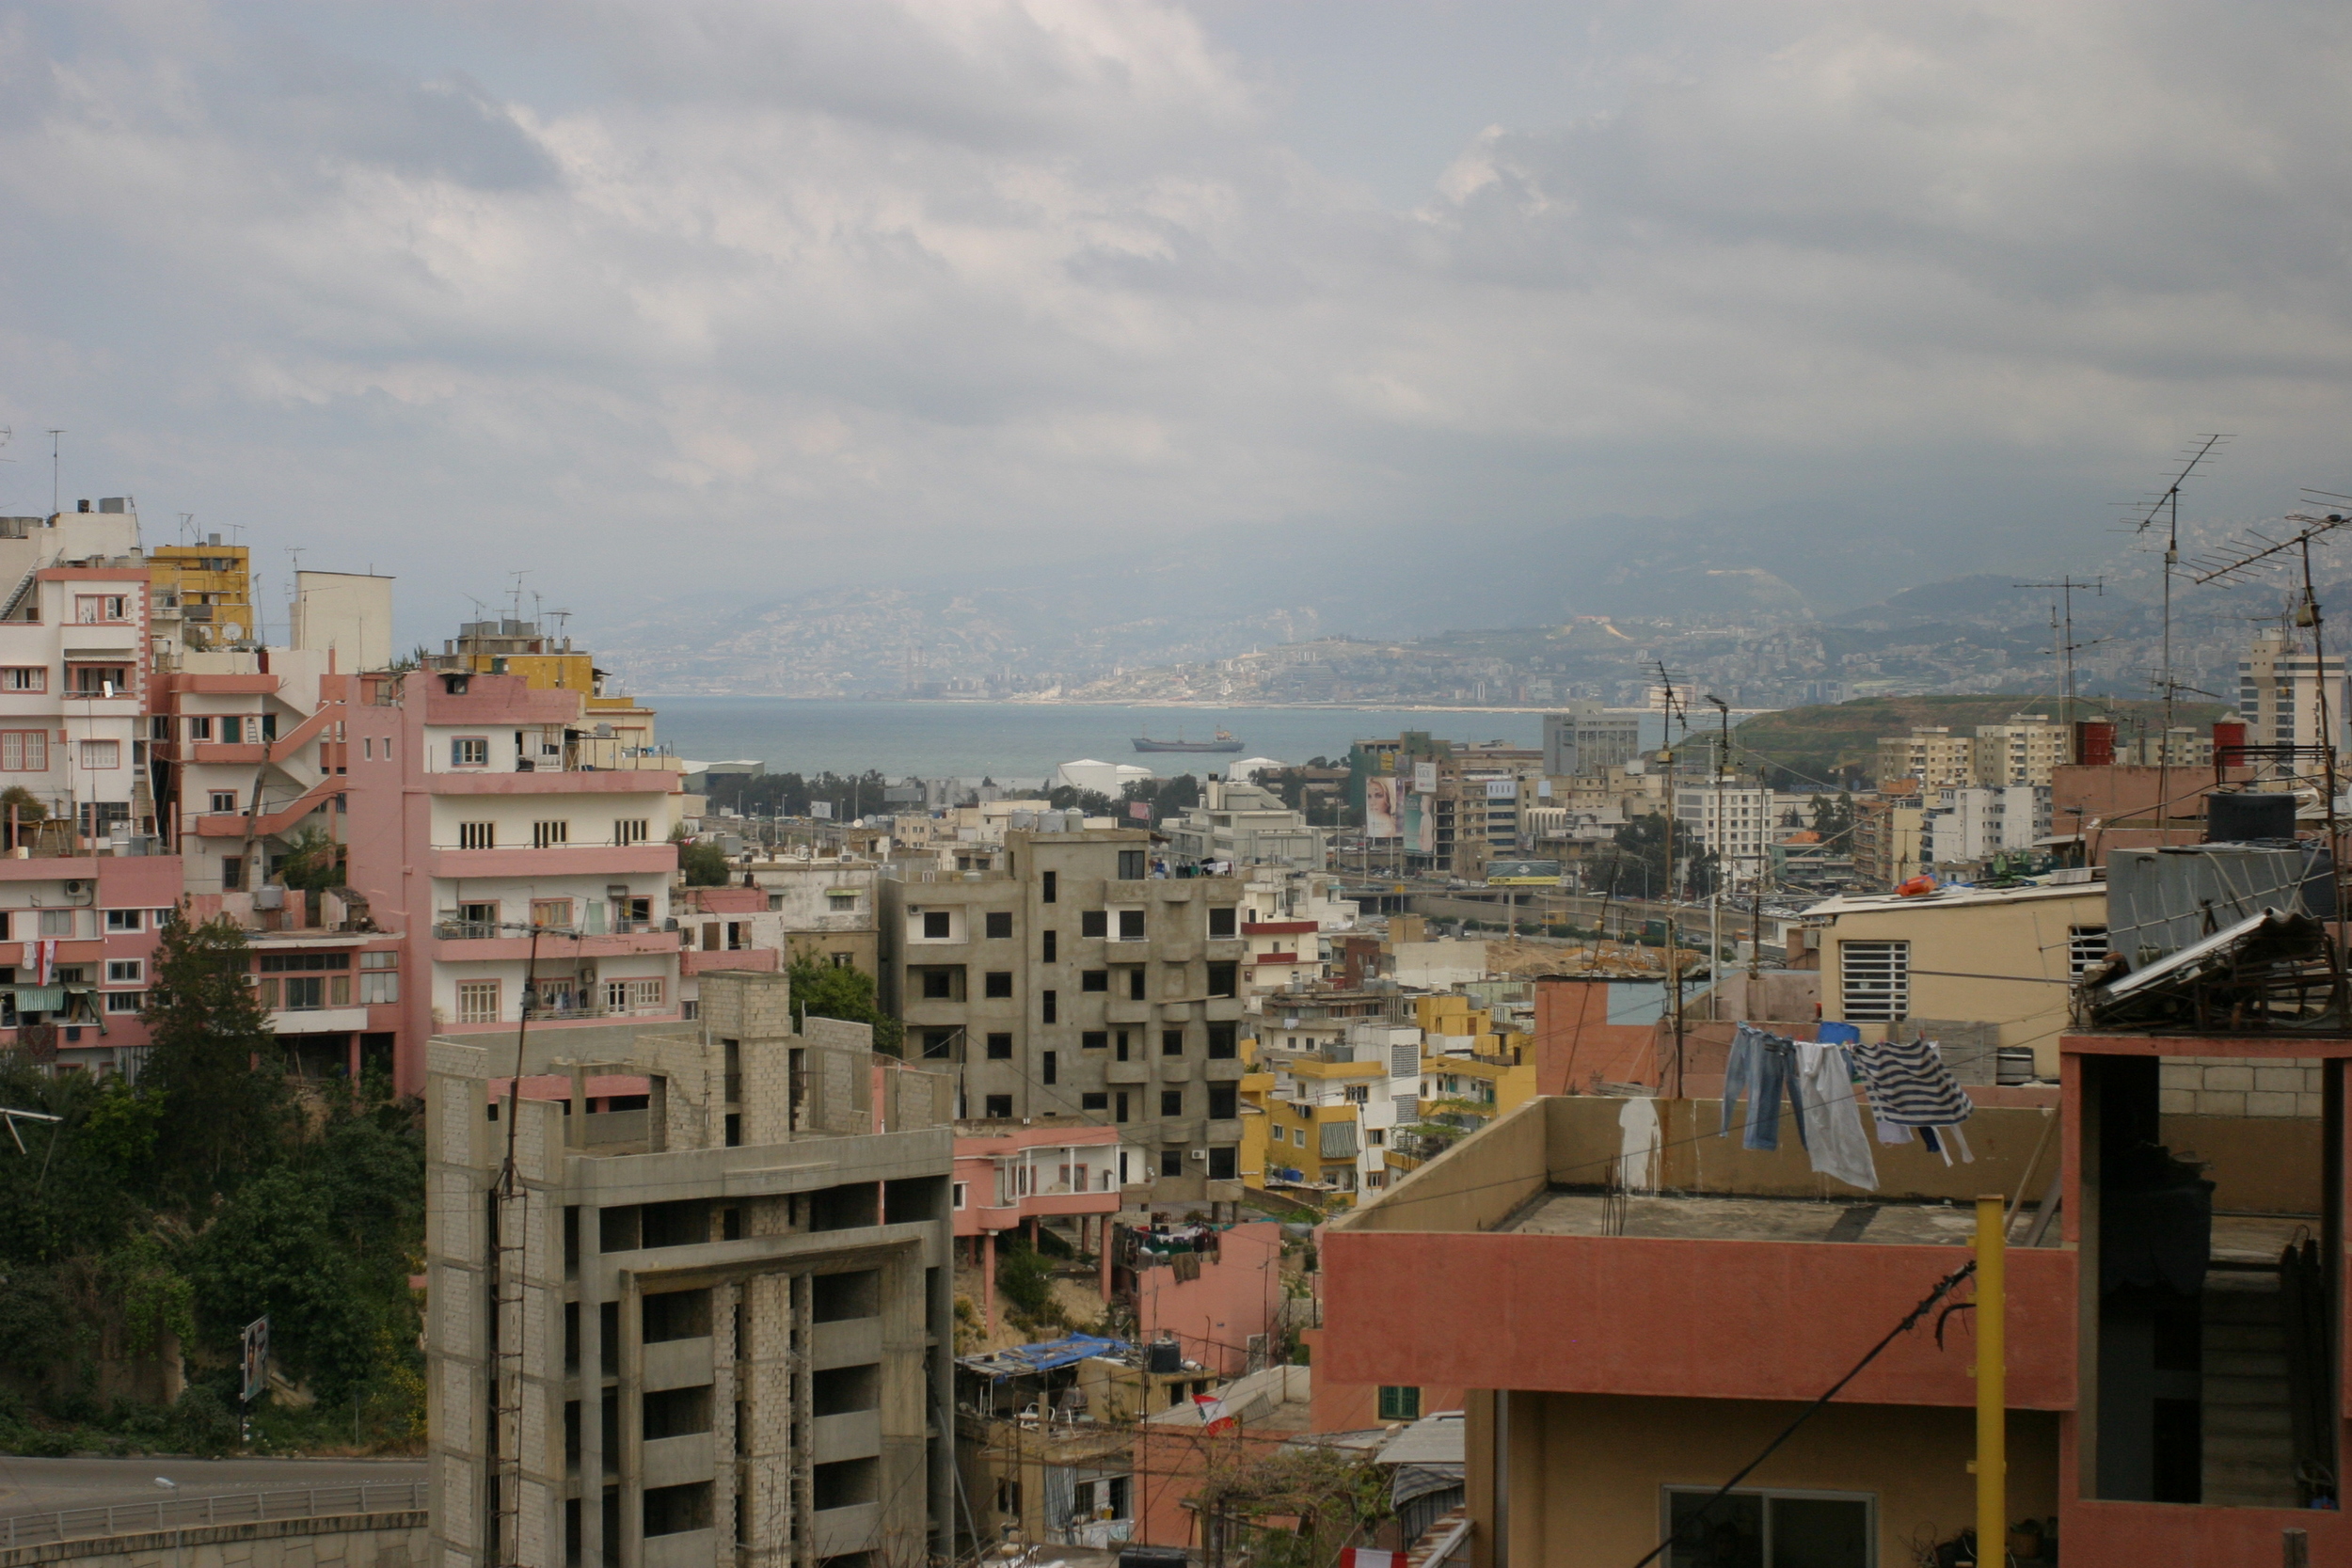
(390, 1540)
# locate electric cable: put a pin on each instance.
(1910, 1321)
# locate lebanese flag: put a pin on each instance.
(1364, 1556)
(1213, 1414)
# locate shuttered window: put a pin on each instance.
(1874, 981)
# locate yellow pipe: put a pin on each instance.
(1991, 1384)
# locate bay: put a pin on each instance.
(1022, 743)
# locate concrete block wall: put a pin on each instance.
(2238, 1087)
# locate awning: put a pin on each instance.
(38, 999)
(1048, 1355)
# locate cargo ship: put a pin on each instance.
(1224, 742)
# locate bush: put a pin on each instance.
(1025, 1280)
(202, 1423)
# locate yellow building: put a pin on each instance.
(204, 594)
(1320, 1129)
(1471, 1073)
(619, 731)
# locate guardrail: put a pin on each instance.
(227, 1508)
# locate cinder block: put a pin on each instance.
(2179, 1075)
(2260, 1103)
(2237, 1077)
(2314, 1080)
(2279, 1080)
(2212, 1103)
(2176, 1103)
(2310, 1105)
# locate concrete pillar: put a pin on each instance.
(1103, 1252)
(988, 1281)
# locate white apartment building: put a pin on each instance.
(1287, 918)
(1735, 823)
(73, 686)
(1969, 824)
(2281, 690)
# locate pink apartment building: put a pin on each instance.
(1010, 1175)
(515, 876)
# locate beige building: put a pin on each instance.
(2282, 694)
(2004, 957)
(706, 1323)
(1931, 753)
(1067, 981)
(1889, 839)
(2021, 751)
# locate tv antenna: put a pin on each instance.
(187, 527)
(2166, 505)
(54, 488)
(2064, 639)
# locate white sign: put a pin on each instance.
(1502, 789)
(821, 808)
(1425, 778)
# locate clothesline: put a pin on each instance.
(1909, 1090)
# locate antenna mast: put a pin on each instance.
(2066, 644)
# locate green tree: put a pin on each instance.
(313, 861)
(214, 1063)
(842, 991)
(705, 865)
(1634, 866)
(272, 1250)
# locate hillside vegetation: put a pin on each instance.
(1838, 743)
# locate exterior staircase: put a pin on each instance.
(2248, 1432)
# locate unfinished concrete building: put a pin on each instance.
(704, 1318)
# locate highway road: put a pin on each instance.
(46, 1486)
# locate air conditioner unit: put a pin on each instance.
(73, 889)
(1199, 1153)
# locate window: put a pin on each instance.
(1133, 866)
(471, 751)
(477, 1001)
(90, 610)
(1097, 1099)
(999, 924)
(1221, 1043)
(631, 996)
(1172, 1042)
(1094, 980)
(1135, 984)
(628, 829)
(1401, 1404)
(1874, 981)
(1094, 1039)
(1223, 979)
(550, 911)
(1171, 1103)
(295, 964)
(477, 835)
(1000, 1048)
(939, 985)
(939, 1045)
(23, 751)
(200, 727)
(842, 960)
(99, 680)
(125, 1001)
(57, 923)
(2086, 946)
(961, 1190)
(1051, 1007)
(999, 1107)
(480, 914)
(548, 835)
(1119, 1113)
(1049, 947)
(125, 971)
(1049, 887)
(1123, 1045)
(126, 920)
(996, 982)
(1094, 923)
(1049, 1067)
(224, 800)
(378, 986)
(1818, 1530)
(1224, 1099)
(1131, 924)
(1225, 1163)
(938, 925)
(1221, 921)
(1171, 1161)
(25, 677)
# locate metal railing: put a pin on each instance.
(228, 1508)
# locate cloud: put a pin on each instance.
(645, 297)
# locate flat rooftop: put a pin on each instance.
(2241, 1239)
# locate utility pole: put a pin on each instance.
(55, 489)
(1673, 958)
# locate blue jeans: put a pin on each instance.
(1761, 1066)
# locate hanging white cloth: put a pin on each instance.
(1637, 1146)
(1833, 1121)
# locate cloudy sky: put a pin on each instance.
(650, 298)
